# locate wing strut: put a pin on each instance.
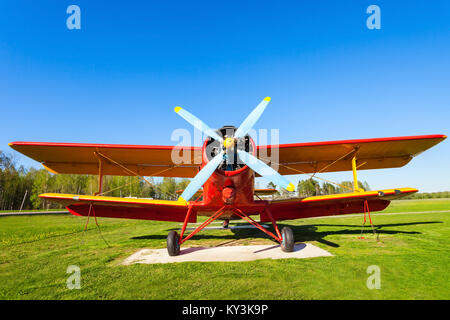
(355, 176)
(343, 157)
(100, 175)
(366, 210)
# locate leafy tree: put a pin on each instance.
(308, 188)
(182, 184)
(271, 185)
(168, 188)
(328, 188)
(348, 186)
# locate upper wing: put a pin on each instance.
(126, 208)
(331, 156)
(334, 204)
(83, 158)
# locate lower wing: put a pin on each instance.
(126, 208)
(335, 204)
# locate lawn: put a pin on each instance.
(412, 255)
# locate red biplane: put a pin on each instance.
(225, 166)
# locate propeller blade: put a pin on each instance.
(201, 177)
(251, 119)
(196, 122)
(264, 170)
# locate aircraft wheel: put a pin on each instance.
(173, 247)
(287, 244)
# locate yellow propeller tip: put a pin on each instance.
(290, 187)
(267, 98)
(177, 109)
(181, 200)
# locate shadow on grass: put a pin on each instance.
(301, 233)
(311, 233)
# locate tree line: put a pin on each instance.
(20, 187)
(311, 187)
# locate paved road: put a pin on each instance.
(31, 213)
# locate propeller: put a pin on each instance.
(228, 145)
(199, 124)
(201, 177)
(264, 170)
(251, 119)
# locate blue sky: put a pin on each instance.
(118, 79)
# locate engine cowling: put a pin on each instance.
(233, 181)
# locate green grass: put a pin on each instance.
(412, 254)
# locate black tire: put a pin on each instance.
(287, 244)
(173, 247)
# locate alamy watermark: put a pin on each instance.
(374, 20)
(74, 20)
(74, 280)
(374, 280)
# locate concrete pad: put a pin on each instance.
(226, 253)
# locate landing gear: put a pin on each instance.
(173, 245)
(225, 223)
(287, 236)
